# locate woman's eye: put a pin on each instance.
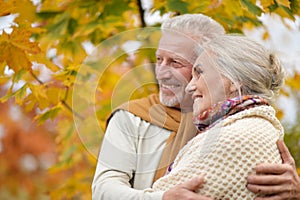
(197, 72)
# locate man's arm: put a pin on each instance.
(118, 161)
(278, 181)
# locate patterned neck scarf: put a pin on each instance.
(222, 110)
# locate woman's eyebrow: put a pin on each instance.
(197, 66)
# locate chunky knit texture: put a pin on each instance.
(227, 153)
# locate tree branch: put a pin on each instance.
(36, 78)
(63, 101)
(67, 106)
(141, 12)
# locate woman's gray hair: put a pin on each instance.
(197, 26)
(253, 68)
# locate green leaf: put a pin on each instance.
(20, 94)
(252, 8)
(18, 75)
(50, 114)
(59, 26)
(72, 25)
(8, 95)
(178, 6)
(284, 12)
(285, 3)
(245, 19)
(48, 14)
(266, 4)
(295, 6)
(116, 7)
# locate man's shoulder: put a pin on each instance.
(123, 114)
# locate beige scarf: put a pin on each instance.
(181, 124)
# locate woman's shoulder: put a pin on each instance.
(262, 113)
(257, 119)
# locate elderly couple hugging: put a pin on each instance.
(205, 134)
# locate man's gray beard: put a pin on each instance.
(170, 102)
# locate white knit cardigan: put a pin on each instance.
(227, 153)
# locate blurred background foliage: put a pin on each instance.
(48, 139)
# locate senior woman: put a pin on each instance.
(234, 80)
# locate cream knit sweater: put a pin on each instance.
(227, 153)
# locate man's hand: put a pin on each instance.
(277, 181)
(186, 190)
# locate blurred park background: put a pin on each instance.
(53, 51)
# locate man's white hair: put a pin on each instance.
(197, 26)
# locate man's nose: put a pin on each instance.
(163, 71)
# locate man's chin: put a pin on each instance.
(169, 101)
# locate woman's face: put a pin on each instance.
(208, 86)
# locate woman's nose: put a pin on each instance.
(190, 88)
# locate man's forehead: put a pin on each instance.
(177, 44)
(176, 39)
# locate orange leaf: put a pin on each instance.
(21, 39)
(16, 59)
(266, 35)
(6, 8)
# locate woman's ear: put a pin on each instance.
(233, 88)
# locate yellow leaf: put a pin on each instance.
(266, 35)
(2, 65)
(294, 81)
(16, 47)
(284, 13)
(285, 3)
(29, 102)
(232, 7)
(39, 92)
(279, 114)
(3, 50)
(266, 3)
(26, 9)
(6, 8)
(54, 94)
(41, 58)
(50, 5)
(248, 26)
(20, 38)
(4, 80)
(16, 59)
(284, 92)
